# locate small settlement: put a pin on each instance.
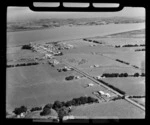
(49, 50)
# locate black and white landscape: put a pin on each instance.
(62, 66)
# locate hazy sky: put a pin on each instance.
(24, 13)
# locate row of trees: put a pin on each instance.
(23, 64)
(139, 50)
(113, 87)
(29, 47)
(136, 96)
(122, 75)
(115, 75)
(130, 45)
(94, 41)
(36, 109)
(122, 61)
(62, 108)
(135, 66)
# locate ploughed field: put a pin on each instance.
(37, 85)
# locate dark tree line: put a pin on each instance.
(122, 75)
(62, 108)
(122, 61)
(36, 109)
(29, 47)
(23, 64)
(113, 87)
(130, 45)
(136, 96)
(135, 66)
(139, 50)
(115, 75)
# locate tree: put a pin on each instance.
(20, 110)
(48, 106)
(63, 112)
(143, 74)
(121, 75)
(26, 47)
(136, 74)
(68, 103)
(69, 78)
(46, 111)
(36, 109)
(91, 99)
(57, 104)
(125, 74)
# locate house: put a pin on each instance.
(98, 77)
(90, 84)
(96, 65)
(77, 77)
(107, 94)
(55, 62)
(22, 115)
(48, 55)
(104, 94)
(67, 68)
(101, 92)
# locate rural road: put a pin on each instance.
(100, 82)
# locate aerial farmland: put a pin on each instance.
(95, 74)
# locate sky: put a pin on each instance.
(24, 13)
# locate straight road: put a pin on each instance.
(100, 82)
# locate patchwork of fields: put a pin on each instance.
(41, 84)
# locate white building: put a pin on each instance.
(77, 77)
(98, 77)
(101, 92)
(107, 94)
(96, 65)
(48, 55)
(68, 117)
(90, 84)
(56, 62)
(67, 68)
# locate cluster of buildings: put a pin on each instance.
(66, 46)
(53, 62)
(103, 96)
(48, 49)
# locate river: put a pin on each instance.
(66, 32)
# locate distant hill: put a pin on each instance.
(57, 22)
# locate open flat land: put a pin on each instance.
(37, 85)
